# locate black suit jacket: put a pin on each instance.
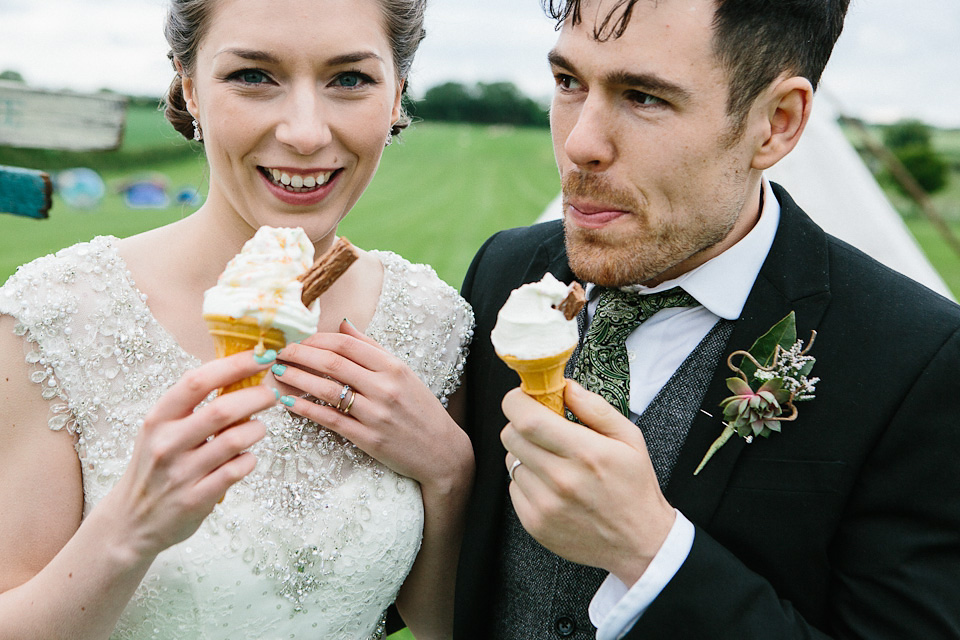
(845, 525)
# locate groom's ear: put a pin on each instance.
(778, 118)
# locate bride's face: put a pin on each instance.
(295, 99)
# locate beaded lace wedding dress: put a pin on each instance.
(318, 539)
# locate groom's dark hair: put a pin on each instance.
(754, 40)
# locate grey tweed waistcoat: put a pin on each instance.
(545, 597)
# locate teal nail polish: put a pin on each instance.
(276, 394)
(287, 400)
(279, 369)
(347, 320)
(266, 357)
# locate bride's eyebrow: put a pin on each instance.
(256, 55)
(251, 54)
(353, 58)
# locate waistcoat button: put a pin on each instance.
(565, 626)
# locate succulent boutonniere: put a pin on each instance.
(770, 377)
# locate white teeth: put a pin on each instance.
(298, 181)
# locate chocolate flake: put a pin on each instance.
(325, 271)
(574, 301)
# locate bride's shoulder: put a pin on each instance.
(415, 279)
(64, 268)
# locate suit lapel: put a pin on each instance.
(794, 277)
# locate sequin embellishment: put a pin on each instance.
(317, 540)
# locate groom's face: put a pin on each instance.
(655, 178)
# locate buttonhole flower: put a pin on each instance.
(769, 378)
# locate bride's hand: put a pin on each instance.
(392, 415)
(178, 471)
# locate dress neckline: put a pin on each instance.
(126, 277)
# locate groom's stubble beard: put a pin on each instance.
(651, 246)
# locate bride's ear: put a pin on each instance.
(189, 91)
(398, 102)
(781, 113)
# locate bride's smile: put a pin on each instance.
(295, 111)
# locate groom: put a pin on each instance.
(844, 522)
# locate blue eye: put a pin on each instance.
(250, 76)
(353, 80)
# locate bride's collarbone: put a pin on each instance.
(354, 296)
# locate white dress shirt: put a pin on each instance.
(656, 349)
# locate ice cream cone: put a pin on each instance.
(233, 335)
(542, 378)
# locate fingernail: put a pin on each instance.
(347, 320)
(266, 357)
(276, 394)
(287, 400)
(279, 369)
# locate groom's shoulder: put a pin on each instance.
(850, 267)
(519, 249)
(511, 255)
(859, 286)
(874, 291)
(525, 239)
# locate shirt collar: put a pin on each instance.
(723, 283)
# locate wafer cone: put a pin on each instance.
(542, 378)
(233, 335)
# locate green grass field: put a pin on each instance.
(439, 193)
(437, 196)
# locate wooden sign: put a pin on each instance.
(25, 192)
(43, 119)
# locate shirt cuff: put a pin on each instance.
(614, 608)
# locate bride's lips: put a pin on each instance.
(592, 215)
(299, 187)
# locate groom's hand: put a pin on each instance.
(590, 495)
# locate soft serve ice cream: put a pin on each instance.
(256, 303)
(261, 283)
(530, 325)
(535, 334)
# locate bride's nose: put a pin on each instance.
(304, 124)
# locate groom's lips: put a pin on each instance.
(593, 215)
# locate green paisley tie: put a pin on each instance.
(603, 365)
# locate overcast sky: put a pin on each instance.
(896, 58)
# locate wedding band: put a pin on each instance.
(513, 467)
(343, 394)
(353, 396)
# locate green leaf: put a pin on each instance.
(784, 334)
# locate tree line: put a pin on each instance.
(503, 103)
(483, 103)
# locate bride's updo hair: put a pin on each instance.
(184, 29)
(187, 21)
(403, 20)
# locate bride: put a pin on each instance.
(110, 481)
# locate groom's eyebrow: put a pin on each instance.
(645, 82)
(556, 59)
